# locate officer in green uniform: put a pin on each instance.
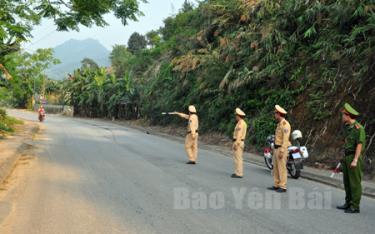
(352, 163)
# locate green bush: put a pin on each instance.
(3, 113)
(7, 122)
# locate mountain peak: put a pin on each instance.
(73, 51)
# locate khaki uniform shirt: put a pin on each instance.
(193, 125)
(239, 133)
(282, 134)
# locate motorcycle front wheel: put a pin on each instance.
(293, 171)
(268, 162)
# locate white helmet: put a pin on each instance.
(296, 134)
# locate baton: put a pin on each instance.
(336, 170)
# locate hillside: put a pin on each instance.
(71, 53)
(307, 56)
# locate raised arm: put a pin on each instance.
(182, 115)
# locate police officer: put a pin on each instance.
(280, 153)
(239, 136)
(351, 165)
(191, 140)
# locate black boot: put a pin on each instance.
(352, 210)
(273, 188)
(343, 207)
(281, 190)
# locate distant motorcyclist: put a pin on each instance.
(42, 113)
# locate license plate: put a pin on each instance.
(296, 155)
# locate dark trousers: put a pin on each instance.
(352, 181)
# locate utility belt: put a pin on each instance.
(190, 131)
(236, 140)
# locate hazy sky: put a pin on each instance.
(45, 35)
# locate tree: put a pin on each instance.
(89, 63)
(136, 43)
(121, 60)
(17, 18)
(28, 74)
(97, 93)
(153, 38)
(187, 6)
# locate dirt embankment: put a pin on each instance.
(14, 145)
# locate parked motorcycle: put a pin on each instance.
(296, 154)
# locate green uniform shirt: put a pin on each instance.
(354, 135)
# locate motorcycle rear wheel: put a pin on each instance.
(293, 171)
(268, 163)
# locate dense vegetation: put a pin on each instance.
(308, 56)
(28, 77)
(96, 93)
(22, 74)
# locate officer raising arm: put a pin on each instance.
(351, 165)
(191, 140)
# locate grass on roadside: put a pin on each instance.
(7, 123)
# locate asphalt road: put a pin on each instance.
(97, 177)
